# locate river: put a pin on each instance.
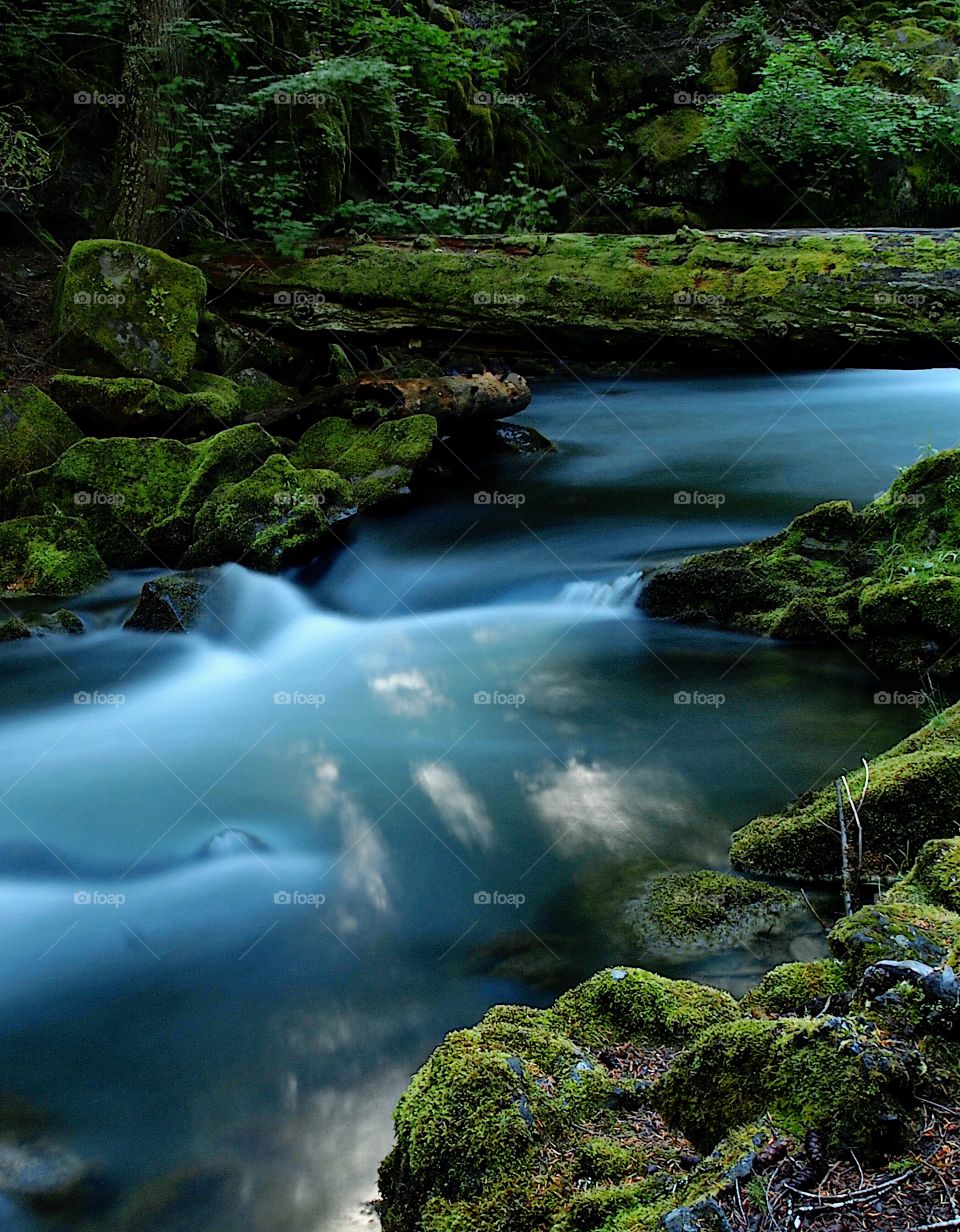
(250, 876)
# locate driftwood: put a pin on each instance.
(457, 402)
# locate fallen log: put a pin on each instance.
(744, 296)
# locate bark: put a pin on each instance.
(740, 296)
(152, 59)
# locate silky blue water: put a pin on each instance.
(443, 757)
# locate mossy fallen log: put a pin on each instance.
(743, 295)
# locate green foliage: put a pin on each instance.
(24, 163)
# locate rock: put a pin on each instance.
(706, 1216)
(836, 1074)
(518, 438)
(277, 516)
(134, 406)
(798, 988)
(259, 392)
(171, 604)
(121, 486)
(60, 621)
(910, 801)
(934, 878)
(228, 348)
(34, 432)
(692, 912)
(379, 462)
(125, 310)
(48, 555)
(49, 1179)
(902, 932)
(14, 630)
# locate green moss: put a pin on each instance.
(34, 432)
(796, 988)
(259, 392)
(14, 630)
(121, 487)
(629, 1003)
(274, 517)
(895, 930)
(833, 1075)
(379, 461)
(125, 310)
(171, 604)
(935, 877)
(911, 797)
(703, 910)
(130, 406)
(50, 555)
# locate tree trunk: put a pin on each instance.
(141, 177)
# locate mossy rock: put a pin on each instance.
(628, 1003)
(134, 406)
(379, 462)
(838, 1076)
(934, 878)
(911, 800)
(122, 486)
(60, 621)
(693, 912)
(125, 310)
(14, 630)
(171, 604)
(892, 929)
(277, 516)
(796, 988)
(258, 392)
(492, 1131)
(34, 431)
(49, 555)
(229, 348)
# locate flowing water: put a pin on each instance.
(251, 876)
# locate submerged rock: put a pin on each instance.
(48, 555)
(49, 1179)
(691, 912)
(34, 431)
(171, 604)
(518, 438)
(125, 310)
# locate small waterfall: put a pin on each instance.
(621, 592)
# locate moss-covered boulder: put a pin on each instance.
(134, 406)
(835, 1075)
(14, 630)
(691, 912)
(171, 604)
(379, 462)
(60, 621)
(34, 431)
(277, 516)
(125, 310)
(895, 930)
(910, 800)
(48, 555)
(121, 486)
(934, 878)
(510, 1121)
(797, 988)
(886, 578)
